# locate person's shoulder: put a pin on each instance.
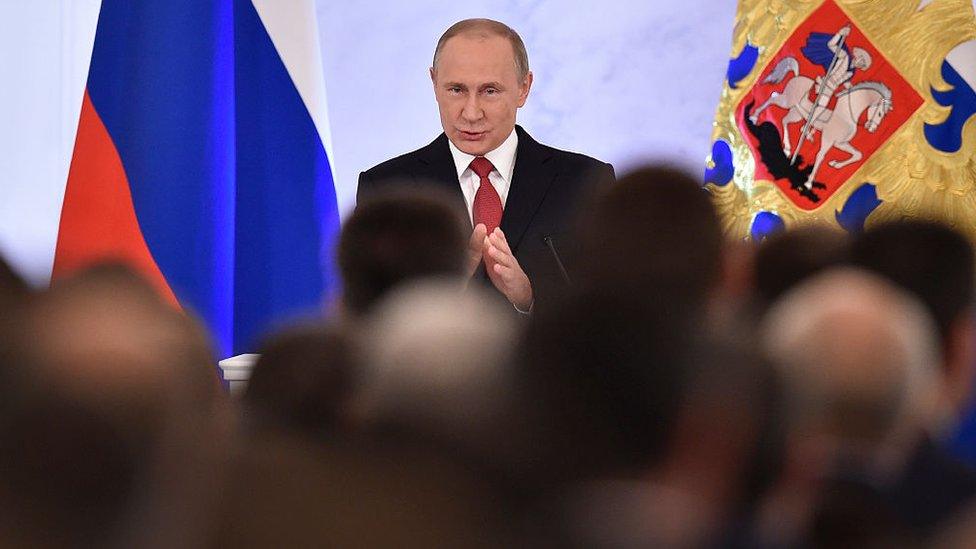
(397, 166)
(568, 160)
(576, 160)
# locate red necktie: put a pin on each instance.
(487, 205)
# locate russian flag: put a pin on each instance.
(201, 159)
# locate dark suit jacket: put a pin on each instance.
(547, 187)
(934, 486)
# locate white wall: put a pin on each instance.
(45, 47)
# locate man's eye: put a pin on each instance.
(454, 90)
(490, 91)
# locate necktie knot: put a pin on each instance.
(481, 166)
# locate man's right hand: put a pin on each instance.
(476, 248)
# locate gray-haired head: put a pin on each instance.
(485, 28)
(858, 357)
(438, 364)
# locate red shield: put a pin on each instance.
(838, 130)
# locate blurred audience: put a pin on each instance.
(649, 425)
(858, 359)
(284, 491)
(302, 381)
(438, 367)
(647, 405)
(112, 422)
(936, 264)
(412, 451)
(654, 233)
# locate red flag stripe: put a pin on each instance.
(98, 220)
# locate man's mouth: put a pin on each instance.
(471, 136)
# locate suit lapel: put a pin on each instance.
(531, 179)
(436, 165)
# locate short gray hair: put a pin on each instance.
(485, 28)
(848, 341)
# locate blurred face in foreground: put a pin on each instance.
(478, 91)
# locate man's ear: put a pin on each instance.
(524, 89)
(433, 77)
(960, 353)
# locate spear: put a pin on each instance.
(813, 111)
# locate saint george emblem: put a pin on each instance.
(823, 105)
(846, 113)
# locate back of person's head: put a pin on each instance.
(111, 384)
(286, 491)
(437, 369)
(936, 264)
(788, 258)
(654, 231)
(398, 236)
(301, 381)
(605, 373)
(858, 358)
(635, 397)
(929, 259)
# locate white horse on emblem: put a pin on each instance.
(838, 127)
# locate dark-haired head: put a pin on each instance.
(655, 232)
(397, 236)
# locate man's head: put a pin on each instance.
(861, 59)
(604, 371)
(655, 233)
(398, 236)
(481, 77)
(786, 259)
(431, 351)
(301, 381)
(859, 361)
(112, 409)
(937, 265)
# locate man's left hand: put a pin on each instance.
(505, 272)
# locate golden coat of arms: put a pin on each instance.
(846, 113)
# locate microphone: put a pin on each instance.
(559, 262)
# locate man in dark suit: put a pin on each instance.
(937, 264)
(520, 195)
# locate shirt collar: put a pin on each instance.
(502, 157)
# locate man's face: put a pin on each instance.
(478, 91)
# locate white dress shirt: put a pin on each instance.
(502, 158)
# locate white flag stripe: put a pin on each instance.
(963, 59)
(294, 30)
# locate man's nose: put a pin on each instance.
(472, 111)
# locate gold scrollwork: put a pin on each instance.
(912, 178)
